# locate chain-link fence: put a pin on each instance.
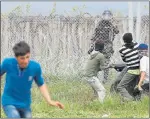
(60, 44)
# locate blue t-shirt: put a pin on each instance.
(18, 83)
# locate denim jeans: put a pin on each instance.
(13, 112)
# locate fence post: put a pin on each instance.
(138, 23)
(130, 12)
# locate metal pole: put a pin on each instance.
(130, 12)
(138, 23)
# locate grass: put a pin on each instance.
(77, 96)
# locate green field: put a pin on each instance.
(77, 96)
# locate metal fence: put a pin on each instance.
(59, 43)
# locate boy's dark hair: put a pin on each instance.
(21, 49)
(127, 38)
(99, 45)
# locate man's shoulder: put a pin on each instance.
(100, 55)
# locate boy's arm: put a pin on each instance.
(46, 95)
(91, 48)
(3, 66)
(44, 91)
(143, 72)
(102, 63)
(122, 56)
(142, 78)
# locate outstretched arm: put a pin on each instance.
(44, 91)
(143, 66)
(122, 56)
(46, 95)
(3, 66)
(142, 78)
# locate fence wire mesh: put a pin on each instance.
(60, 44)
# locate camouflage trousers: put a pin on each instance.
(108, 52)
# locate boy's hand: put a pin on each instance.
(56, 104)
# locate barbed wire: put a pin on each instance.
(60, 43)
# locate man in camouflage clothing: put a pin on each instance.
(105, 31)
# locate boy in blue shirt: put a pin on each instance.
(20, 73)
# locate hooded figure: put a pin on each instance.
(94, 65)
